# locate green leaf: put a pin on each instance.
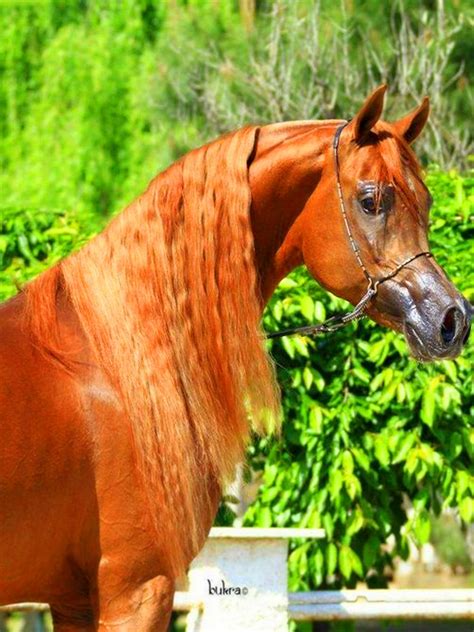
(370, 550)
(331, 558)
(318, 561)
(356, 564)
(466, 509)
(377, 381)
(347, 462)
(335, 483)
(24, 248)
(307, 378)
(422, 527)
(450, 367)
(352, 485)
(345, 561)
(4, 242)
(404, 547)
(319, 311)
(264, 517)
(287, 283)
(361, 374)
(405, 445)
(355, 522)
(319, 380)
(381, 450)
(428, 403)
(287, 344)
(296, 378)
(361, 459)
(455, 445)
(301, 346)
(270, 474)
(316, 419)
(307, 307)
(303, 563)
(278, 311)
(328, 525)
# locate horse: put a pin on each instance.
(134, 370)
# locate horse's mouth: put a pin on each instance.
(419, 350)
(427, 347)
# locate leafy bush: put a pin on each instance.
(304, 60)
(31, 241)
(367, 430)
(96, 97)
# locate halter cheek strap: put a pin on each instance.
(338, 321)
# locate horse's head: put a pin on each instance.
(373, 178)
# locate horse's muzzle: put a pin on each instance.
(432, 338)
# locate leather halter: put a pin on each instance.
(338, 321)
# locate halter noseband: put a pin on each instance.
(338, 321)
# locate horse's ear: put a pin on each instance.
(369, 113)
(411, 125)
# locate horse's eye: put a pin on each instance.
(368, 204)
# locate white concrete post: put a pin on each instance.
(240, 578)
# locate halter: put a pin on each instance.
(340, 320)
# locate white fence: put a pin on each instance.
(239, 582)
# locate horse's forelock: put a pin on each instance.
(399, 166)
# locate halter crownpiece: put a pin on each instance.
(340, 320)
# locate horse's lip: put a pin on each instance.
(416, 344)
(425, 350)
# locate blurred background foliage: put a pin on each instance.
(97, 96)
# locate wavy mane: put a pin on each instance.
(167, 298)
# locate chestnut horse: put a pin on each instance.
(130, 371)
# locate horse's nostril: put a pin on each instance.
(452, 325)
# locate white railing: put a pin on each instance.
(239, 582)
(381, 604)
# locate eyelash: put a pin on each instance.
(378, 201)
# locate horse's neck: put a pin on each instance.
(286, 169)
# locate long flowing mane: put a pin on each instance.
(167, 298)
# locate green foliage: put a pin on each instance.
(78, 129)
(31, 241)
(97, 97)
(304, 60)
(368, 430)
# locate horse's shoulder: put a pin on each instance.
(12, 336)
(23, 365)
